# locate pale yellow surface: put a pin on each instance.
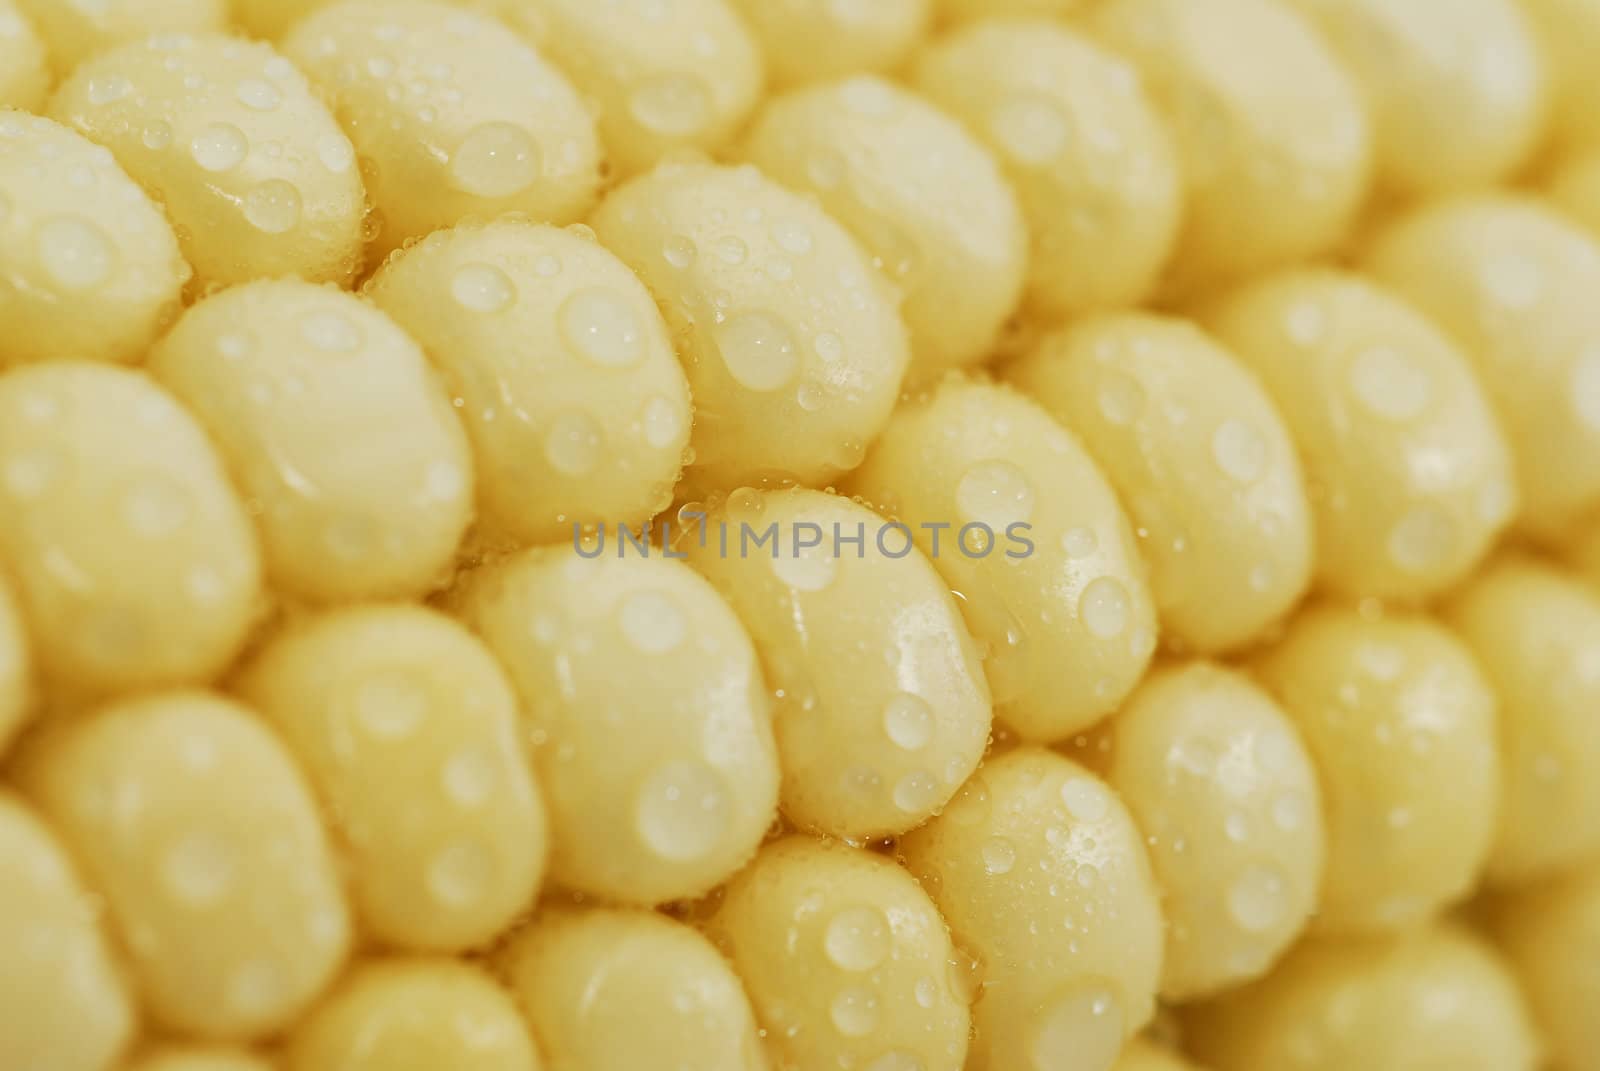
(1093, 166)
(270, 19)
(18, 690)
(792, 340)
(24, 62)
(1200, 458)
(661, 77)
(1216, 775)
(1432, 998)
(409, 732)
(647, 714)
(1457, 90)
(1042, 875)
(249, 164)
(75, 30)
(1413, 476)
(132, 557)
(845, 958)
(963, 10)
(63, 1002)
(924, 197)
(200, 1058)
(1275, 146)
(1400, 723)
(1551, 934)
(1513, 283)
(619, 990)
(1570, 33)
(89, 267)
(453, 116)
(1574, 188)
(884, 710)
(413, 1015)
(813, 40)
(1069, 626)
(576, 405)
(193, 823)
(337, 430)
(1142, 1055)
(1536, 632)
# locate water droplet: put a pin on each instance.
(1239, 451)
(671, 105)
(259, 95)
(829, 347)
(996, 493)
(731, 249)
(1031, 128)
(662, 423)
(273, 207)
(1586, 387)
(857, 938)
(154, 507)
(1257, 899)
(1103, 606)
(330, 331)
(1086, 800)
(808, 569)
(199, 868)
(1305, 323)
(917, 792)
(574, 444)
(75, 253)
(792, 237)
(1237, 827)
(1422, 539)
(927, 992)
(679, 251)
(652, 622)
(219, 147)
(825, 169)
(460, 873)
(1290, 811)
(1390, 386)
(482, 288)
(30, 473)
(468, 777)
(156, 135)
(682, 810)
(854, 1012)
(602, 326)
(998, 856)
(108, 90)
(908, 721)
(1082, 1029)
(1512, 280)
(390, 707)
(759, 350)
(1120, 397)
(336, 153)
(256, 989)
(1079, 542)
(496, 160)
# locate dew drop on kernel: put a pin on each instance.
(652, 622)
(808, 569)
(109, 90)
(759, 350)
(829, 347)
(1031, 129)
(731, 249)
(256, 988)
(602, 326)
(1423, 537)
(154, 507)
(998, 856)
(682, 810)
(75, 253)
(331, 332)
(1290, 811)
(996, 493)
(1079, 542)
(662, 424)
(219, 147)
(926, 992)
(857, 938)
(460, 873)
(482, 288)
(1085, 800)
(1082, 1029)
(1305, 322)
(792, 237)
(273, 207)
(390, 707)
(468, 777)
(917, 791)
(1103, 606)
(1239, 451)
(198, 869)
(908, 722)
(854, 1012)
(671, 105)
(574, 444)
(258, 95)
(1388, 385)
(336, 153)
(1257, 899)
(679, 251)
(156, 135)
(1120, 398)
(495, 160)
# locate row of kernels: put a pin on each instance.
(1550, 931)
(883, 710)
(24, 64)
